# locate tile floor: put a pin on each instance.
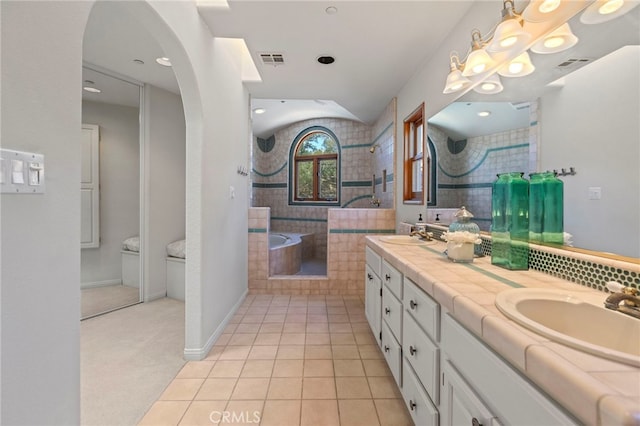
(287, 360)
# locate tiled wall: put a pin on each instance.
(346, 232)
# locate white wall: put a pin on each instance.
(164, 156)
(119, 189)
(40, 259)
(591, 123)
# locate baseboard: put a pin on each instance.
(100, 283)
(201, 353)
(152, 297)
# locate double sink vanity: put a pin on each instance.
(472, 343)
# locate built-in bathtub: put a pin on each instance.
(287, 251)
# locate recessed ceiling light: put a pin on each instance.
(139, 61)
(326, 60)
(484, 113)
(259, 110)
(164, 61)
(331, 10)
(89, 86)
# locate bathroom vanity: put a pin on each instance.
(458, 360)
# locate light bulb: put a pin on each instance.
(515, 67)
(479, 68)
(610, 7)
(488, 86)
(548, 6)
(553, 42)
(509, 41)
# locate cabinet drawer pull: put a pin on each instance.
(387, 311)
(412, 405)
(386, 348)
(387, 277)
(412, 350)
(412, 304)
(475, 422)
(369, 276)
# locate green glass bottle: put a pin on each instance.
(499, 237)
(536, 206)
(510, 221)
(553, 221)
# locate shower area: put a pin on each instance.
(298, 233)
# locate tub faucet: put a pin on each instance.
(625, 300)
(375, 201)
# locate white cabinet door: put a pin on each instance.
(90, 187)
(373, 301)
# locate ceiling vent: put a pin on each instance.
(573, 64)
(273, 59)
(518, 106)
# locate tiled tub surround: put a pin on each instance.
(593, 389)
(347, 229)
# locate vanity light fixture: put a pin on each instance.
(509, 34)
(560, 39)
(540, 10)
(455, 79)
(490, 86)
(478, 60)
(518, 67)
(606, 10)
(164, 61)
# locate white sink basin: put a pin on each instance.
(577, 319)
(405, 240)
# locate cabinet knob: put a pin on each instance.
(412, 350)
(387, 311)
(475, 422)
(387, 277)
(412, 304)
(386, 348)
(369, 276)
(412, 405)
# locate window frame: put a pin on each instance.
(414, 156)
(294, 160)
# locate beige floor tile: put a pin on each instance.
(342, 339)
(318, 388)
(345, 352)
(288, 368)
(214, 353)
(295, 318)
(318, 339)
(277, 318)
(290, 352)
(257, 368)
(230, 328)
(227, 368)
(242, 339)
(361, 327)
(348, 367)
(267, 339)
(216, 389)
(223, 339)
(294, 327)
(263, 352)
(376, 367)
(195, 370)
(383, 387)
(319, 413)
(292, 339)
(352, 388)
(243, 413)
(164, 413)
(364, 338)
(317, 352)
(318, 368)
(281, 413)
(316, 318)
(257, 310)
(181, 390)
(235, 353)
(271, 328)
(251, 389)
(370, 352)
(319, 327)
(285, 388)
(340, 327)
(248, 328)
(358, 412)
(252, 319)
(201, 413)
(339, 318)
(277, 310)
(297, 310)
(392, 412)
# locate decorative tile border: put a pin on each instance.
(362, 231)
(482, 160)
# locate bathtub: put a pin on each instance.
(286, 252)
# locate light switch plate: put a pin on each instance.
(22, 172)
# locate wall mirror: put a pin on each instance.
(571, 112)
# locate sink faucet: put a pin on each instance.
(625, 300)
(427, 236)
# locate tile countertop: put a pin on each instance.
(595, 390)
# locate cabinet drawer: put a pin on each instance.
(423, 308)
(392, 313)
(373, 260)
(392, 278)
(421, 409)
(392, 353)
(423, 355)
